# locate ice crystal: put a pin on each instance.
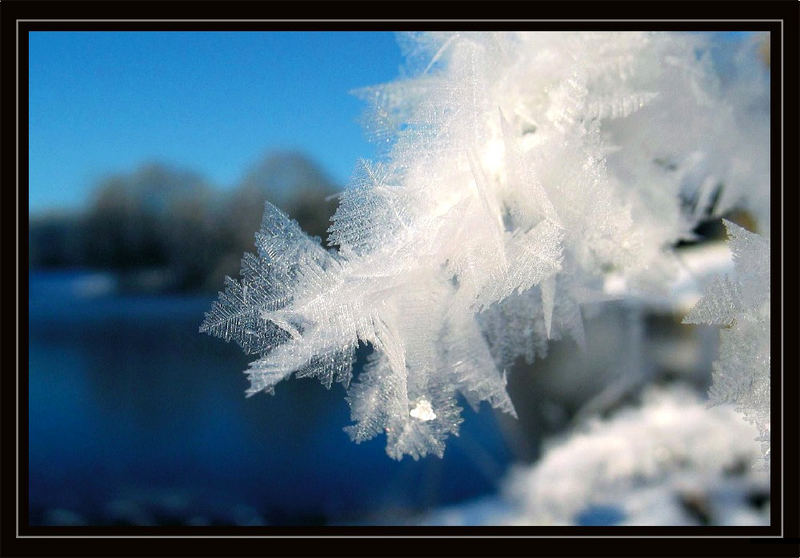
(742, 305)
(510, 182)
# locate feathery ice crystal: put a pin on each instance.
(742, 304)
(516, 170)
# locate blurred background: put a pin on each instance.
(151, 156)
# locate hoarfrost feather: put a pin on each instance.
(741, 374)
(516, 170)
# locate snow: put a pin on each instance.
(671, 461)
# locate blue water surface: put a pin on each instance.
(136, 418)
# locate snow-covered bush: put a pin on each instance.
(517, 171)
(668, 461)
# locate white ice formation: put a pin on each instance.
(515, 170)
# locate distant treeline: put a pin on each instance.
(167, 229)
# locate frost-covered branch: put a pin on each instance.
(518, 169)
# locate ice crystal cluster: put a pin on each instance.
(514, 171)
(742, 305)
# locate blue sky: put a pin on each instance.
(212, 102)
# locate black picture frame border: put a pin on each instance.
(18, 538)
